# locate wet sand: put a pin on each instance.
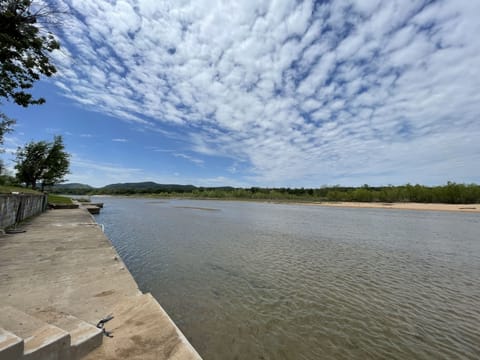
(401, 206)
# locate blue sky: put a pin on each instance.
(263, 93)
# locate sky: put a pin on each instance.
(263, 93)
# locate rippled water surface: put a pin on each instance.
(273, 281)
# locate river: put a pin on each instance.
(247, 280)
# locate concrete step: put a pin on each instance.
(92, 209)
(42, 341)
(11, 346)
(84, 337)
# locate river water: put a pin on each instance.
(248, 280)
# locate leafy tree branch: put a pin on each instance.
(24, 51)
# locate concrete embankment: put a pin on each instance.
(18, 207)
(64, 266)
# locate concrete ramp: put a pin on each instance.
(141, 329)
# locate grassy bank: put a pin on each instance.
(52, 198)
(16, 189)
(59, 200)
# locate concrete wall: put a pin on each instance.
(15, 208)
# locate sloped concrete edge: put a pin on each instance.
(184, 350)
(11, 346)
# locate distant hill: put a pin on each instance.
(71, 189)
(147, 186)
(72, 186)
(121, 188)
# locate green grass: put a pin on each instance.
(57, 199)
(52, 199)
(10, 189)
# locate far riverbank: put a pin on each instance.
(400, 206)
(344, 204)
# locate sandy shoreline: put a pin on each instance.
(401, 206)
(474, 208)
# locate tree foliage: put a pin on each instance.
(57, 163)
(24, 50)
(6, 125)
(42, 162)
(451, 193)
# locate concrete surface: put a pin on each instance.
(84, 337)
(63, 263)
(11, 346)
(135, 328)
(41, 340)
(17, 207)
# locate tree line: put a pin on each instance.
(451, 193)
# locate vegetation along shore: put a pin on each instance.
(451, 193)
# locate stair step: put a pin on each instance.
(41, 340)
(84, 337)
(11, 346)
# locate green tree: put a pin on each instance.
(58, 163)
(24, 50)
(31, 162)
(43, 162)
(6, 125)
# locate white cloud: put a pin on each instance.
(308, 94)
(189, 158)
(99, 174)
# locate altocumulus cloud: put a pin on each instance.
(298, 92)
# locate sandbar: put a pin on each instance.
(400, 206)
